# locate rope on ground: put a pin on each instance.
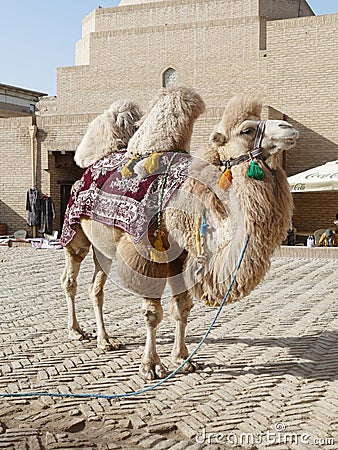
(160, 382)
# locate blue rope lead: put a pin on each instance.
(163, 380)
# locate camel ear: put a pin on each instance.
(217, 138)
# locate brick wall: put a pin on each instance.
(212, 63)
(185, 11)
(168, 13)
(301, 80)
(15, 170)
(153, 15)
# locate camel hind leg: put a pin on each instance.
(75, 252)
(96, 293)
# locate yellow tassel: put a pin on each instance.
(158, 244)
(126, 173)
(225, 179)
(158, 253)
(151, 164)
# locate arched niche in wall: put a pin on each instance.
(169, 77)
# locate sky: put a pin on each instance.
(38, 36)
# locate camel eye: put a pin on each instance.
(247, 131)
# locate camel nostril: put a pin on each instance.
(285, 125)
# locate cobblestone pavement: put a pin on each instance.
(268, 376)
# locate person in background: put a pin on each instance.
(328, 239)
(291, 235)
(336, 223)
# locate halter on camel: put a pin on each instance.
(256, 153)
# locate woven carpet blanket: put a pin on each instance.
(131, 204)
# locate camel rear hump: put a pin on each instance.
(108, 132)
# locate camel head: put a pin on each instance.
(110, 131)
(168, 123)
(238, 129)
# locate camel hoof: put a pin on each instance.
(79, 335)
(189, 367)
(152, 371)
(108, 344)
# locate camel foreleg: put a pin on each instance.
(180, 306)
(151, 366)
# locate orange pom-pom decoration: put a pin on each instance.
(225, 179)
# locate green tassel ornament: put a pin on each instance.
(255, 171)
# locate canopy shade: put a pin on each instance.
(321, 178)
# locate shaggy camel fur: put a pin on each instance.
(259, 207)
(108, 132)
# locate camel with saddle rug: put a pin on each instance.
(169, 216)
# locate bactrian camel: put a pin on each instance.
(235, 187)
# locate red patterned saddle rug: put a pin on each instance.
(131, 204)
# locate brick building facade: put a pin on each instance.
(278, 49)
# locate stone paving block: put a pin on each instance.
(137, 422)
(166, 444)
(181, 445)
(207, 410)
(34, 443)
(186, 429)
(196, 447)
(161, 428)
(151, 441)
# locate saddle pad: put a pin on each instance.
(131, 204)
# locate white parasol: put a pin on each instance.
(321, 178)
